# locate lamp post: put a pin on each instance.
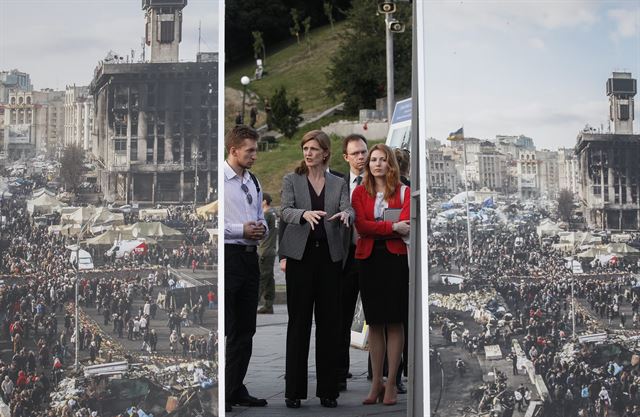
(466, 195)
(195, 178)
(77, 318)
(245, 82)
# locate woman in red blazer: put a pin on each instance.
(384, 270)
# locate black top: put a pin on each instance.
(317, 203)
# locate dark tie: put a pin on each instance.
(359, 179)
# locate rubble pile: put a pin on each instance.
(178, 377)
(474, 302)
(67, 390)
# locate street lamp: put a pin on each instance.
(195, 178)
(245, 82)
(77, 318)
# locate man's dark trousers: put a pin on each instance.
(349, 289)
(241, 281)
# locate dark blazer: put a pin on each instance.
(283, 225)
(296, 200)
(369, 229)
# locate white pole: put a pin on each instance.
(390, 75)
(466, 193)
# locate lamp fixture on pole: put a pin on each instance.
(245, 82)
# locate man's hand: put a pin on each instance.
(313, 217)
(283, 264)
(344, 217)
(402, 228)
(253, 230)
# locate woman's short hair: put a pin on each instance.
(325, 144)
(393, 175)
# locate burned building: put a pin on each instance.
(155, 125)
(609, 173)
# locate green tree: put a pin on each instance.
(258, 46)
(285, 114)
(357, 73)
(307, 36)
(295, 29)
(328, 11)
(565, 206)
(71, 167)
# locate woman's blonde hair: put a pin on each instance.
(324, 142)
(393, 175)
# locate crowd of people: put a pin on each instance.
(535, 289)
(37, 295)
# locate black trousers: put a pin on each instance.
(313, 287)
(349, 289)
(241, 280)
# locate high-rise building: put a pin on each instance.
(33, 122)
(154, 131)
(528, 181)
(78, 117)
(609, 173)
(442, 172)
(567, 170)
(548, 172)
(13, 80)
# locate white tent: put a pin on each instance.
(40, 191)
(154, 229)
(44, 204)
(461, 198)
(103, 220)
(547, 228)
(76, 215)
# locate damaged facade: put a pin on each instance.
(154, 133)
(609, 173)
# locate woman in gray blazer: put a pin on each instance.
(315, 207)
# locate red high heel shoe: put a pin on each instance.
(376, 399)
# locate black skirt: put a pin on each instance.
(384, 286)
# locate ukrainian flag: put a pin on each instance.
(457, 135)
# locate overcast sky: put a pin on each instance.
(59, 42)
(533, 68)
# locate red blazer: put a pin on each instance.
(369, 229)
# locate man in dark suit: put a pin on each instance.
(354, 151)
(244, 227)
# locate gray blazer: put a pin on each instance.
(295, 200)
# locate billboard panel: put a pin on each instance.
(19, 133)
(528, 180)
(399, 135)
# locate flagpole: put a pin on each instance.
(466, 192)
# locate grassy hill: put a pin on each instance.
(291, 65)
(272, 165)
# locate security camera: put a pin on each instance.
(386, 7)
(395, 26)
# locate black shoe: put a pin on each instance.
(227, 407)
(349, 375)
(249, 401)
(265, 310)
(401, 388)
(342, 386)
(292, 403)
(329, 402)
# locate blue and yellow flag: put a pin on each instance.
(457, 135)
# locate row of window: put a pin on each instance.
(21, 100)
